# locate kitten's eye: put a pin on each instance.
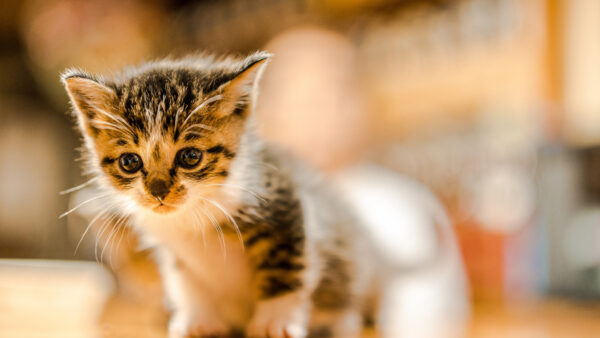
(188, 158)
(130, 162)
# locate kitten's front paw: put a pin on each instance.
(276, 328)
(181, 326)
(279, 318)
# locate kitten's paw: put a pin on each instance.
(281, 317)
(181, 326)
(277, 329)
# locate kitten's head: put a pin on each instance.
(168, 130)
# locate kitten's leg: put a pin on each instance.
(335, 323)
(281, 316)
(335, 311)
(282, 285)
(193, 314)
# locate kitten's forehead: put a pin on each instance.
(178, 83)
(169, 97)
(162, 88)
(196, 74)
(158, 99)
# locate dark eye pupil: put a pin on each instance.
(130, 162)
(189, 158)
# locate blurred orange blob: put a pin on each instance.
(310, 98)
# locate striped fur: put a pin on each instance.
(247, 240)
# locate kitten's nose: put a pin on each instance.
(159, 188)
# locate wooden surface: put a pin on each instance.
(75, 299)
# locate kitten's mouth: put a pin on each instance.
(161, 205)
(163, 208)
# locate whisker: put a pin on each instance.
(120, 230)
(191, 132)
(78, 187)
(207, 101)
(114, 249)
(108, 125)
(114, 230)
(241, 188)
(258, 164)
(268, 165)
(198, 125)
(197, 217)
(219, 230)
(103, 228)
(103, 258)
(195, 221)
(81, 204)
(126, 212)
(111, 241)
(121, 121)
(231, 219)
(123, 234)
(100, 125)
(179, 110)
(87, 229)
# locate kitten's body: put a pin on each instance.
(289, 257)
(332, 252)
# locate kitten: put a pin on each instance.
(247, 240)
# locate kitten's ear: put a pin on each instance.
(92, 100)
(239, 92)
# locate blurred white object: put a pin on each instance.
(427, 296)
(502, 198)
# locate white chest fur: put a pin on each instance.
(213, 263)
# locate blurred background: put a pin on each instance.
(493, 105)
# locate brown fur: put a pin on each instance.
(156, 111)
(299, 249)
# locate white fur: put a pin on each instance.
(209, 290)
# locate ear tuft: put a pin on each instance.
(256, 60)
(239, 91)
(76, 73)
(91, 98)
